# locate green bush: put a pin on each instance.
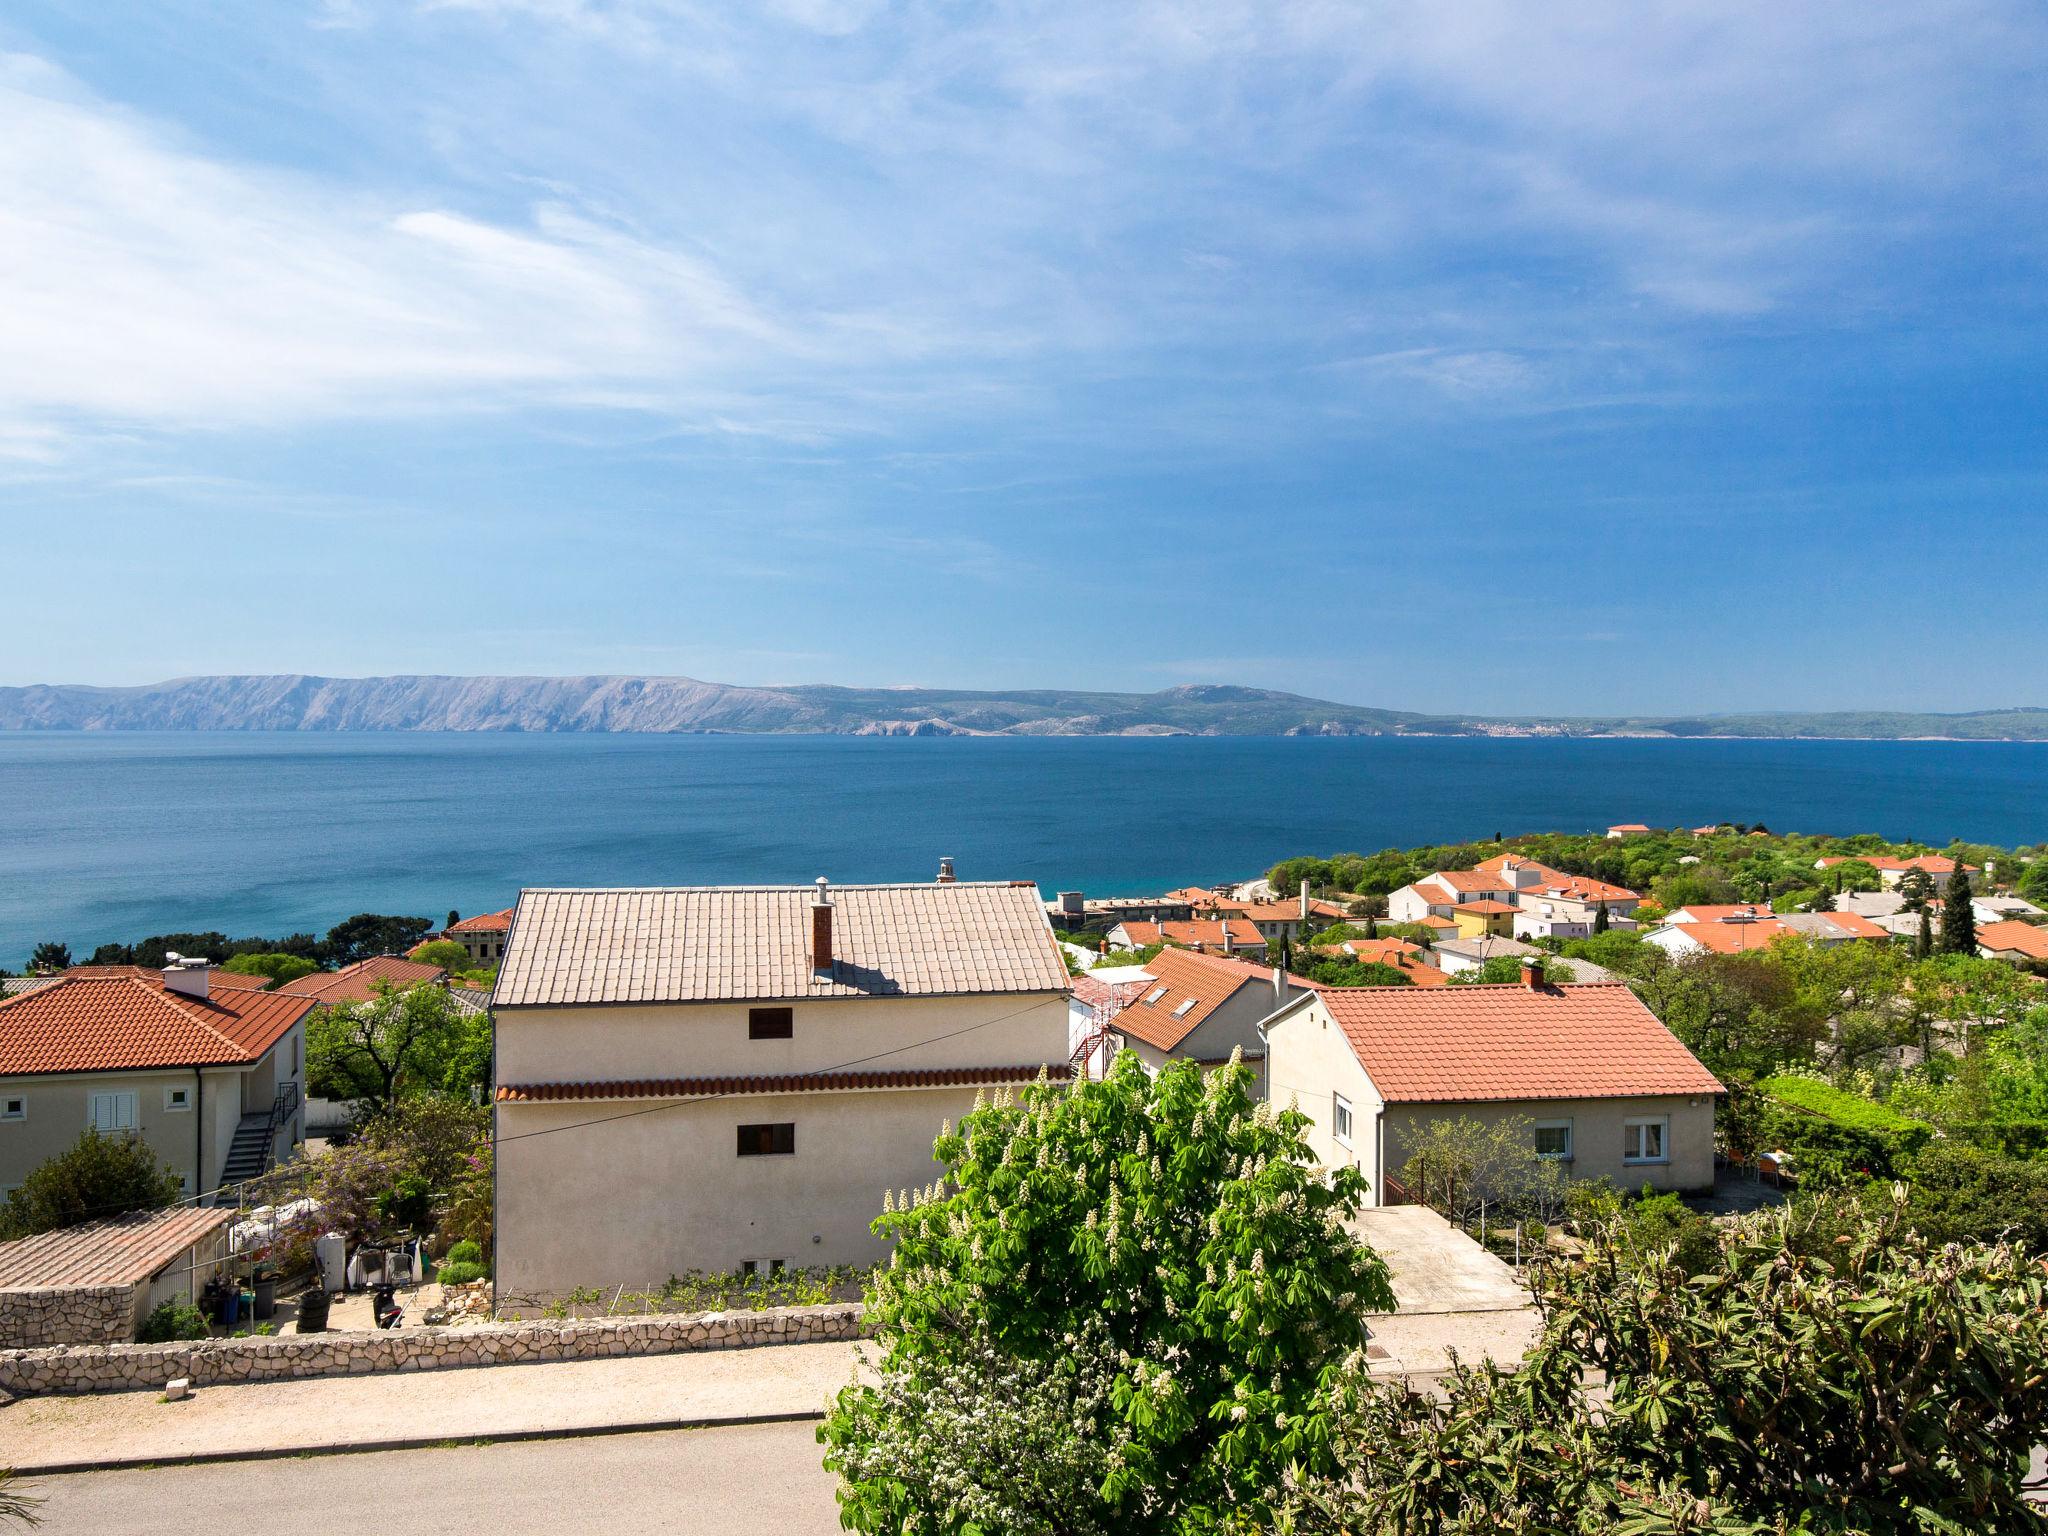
(1965, 1194)
(464, 1252)
(460, 1272)
(172, 1322)
(1835, 1136)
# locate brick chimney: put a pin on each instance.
(821, 930)
(187, 977)
(945, 871)
(1532, 972)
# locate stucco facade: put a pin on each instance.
(1312, 1066)
(187, 1116)
(611, 1195)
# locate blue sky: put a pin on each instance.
(1481, 356)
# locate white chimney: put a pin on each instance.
(945, 872)
(1304, 900)
(186, 976)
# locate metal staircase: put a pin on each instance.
(249, 1153)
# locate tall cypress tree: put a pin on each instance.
(1958, 917)
(1600, 920)
(1923, 946)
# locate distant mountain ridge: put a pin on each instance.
(295, 702)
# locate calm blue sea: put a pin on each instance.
(121, 836)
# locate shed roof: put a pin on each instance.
(122, 1250)
(683, 944)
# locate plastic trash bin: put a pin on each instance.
(264, 1288)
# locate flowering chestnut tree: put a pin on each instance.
(1123, 1309)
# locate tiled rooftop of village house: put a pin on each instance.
(686, 944)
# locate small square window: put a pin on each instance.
(768, 1140)
(771, 1023)
(1643, 1141)
(1340, 1119)
(177, 1100)
(13, 1107)
(1554, 1139)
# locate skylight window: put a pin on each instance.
(1155, 994)
(1183, 1008)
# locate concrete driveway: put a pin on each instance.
(1453, 1299)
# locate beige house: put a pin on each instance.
(729, 1078)
(206, 1069)
(1200, 1008)
(1610, 1091)
(483, 936)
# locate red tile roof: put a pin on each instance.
(1286, 911)
(2022, 938)
(1733, 938)
(790, 1082)
(1555, 882)
(1480, 879)
(1931, 863)
(130, 1022)
(1486, 908)
(1481, 1044)
(1436, 893)
(1628, 826)
(1106, 997)
(1741, 912)
(1398, 953)
(485, 922)
(1205, 982)
(216, 978)
(359, 983)
(1219, 931)
(122, 1250)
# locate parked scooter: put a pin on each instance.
(384, 1306)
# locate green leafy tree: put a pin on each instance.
(411, 1168)
(1958, 915)
(95, 1177)
(279, 968)
(445, 953)
(2033, 881)
(50, 956)
(1462, 1167)
(1498, 971)
(1916, 889)
(1170, 1232)
(368, 934)
(396, 1043)
(1872, 1384)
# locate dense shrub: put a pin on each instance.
(1151, 1264)
(1966, 1194)
(1883, 1386)
(459, 1272)
(172, 1322)
(94, 1178)
(464, 1252)
(1834, 1136)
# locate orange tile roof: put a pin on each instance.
(122, 1250)
(1486, 908)
(1206, 982)
(789, 1082)
(1212, 930)
(2022, 938)
(130, 1023)
(1740, 912)
(1482, 1044)
(1556, 882)
(359, 983)
(1628, 826)
(485, 922)
(1287, 911)
(1734, 938)
(1480, 879)
(1436, 894)
(745, 943)
(216, 978)
(1398, 953)
(1931, 863)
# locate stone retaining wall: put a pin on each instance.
(76, 1314)
(215, 1362)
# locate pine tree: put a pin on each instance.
(1923, 946)
(1958, 916)
(1600, 918)
(1824, 902)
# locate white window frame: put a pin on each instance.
(1343, 1120)
(13, 1106)
(121, 1098)
(1632, 1141)
(1556, 1125)
(177, 1101)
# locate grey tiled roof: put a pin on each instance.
(737, 943)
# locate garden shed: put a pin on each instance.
(95, 1283)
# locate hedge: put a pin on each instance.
(1833, 1135)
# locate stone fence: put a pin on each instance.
(72, 1314)
(284, 1357)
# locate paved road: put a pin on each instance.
(753, 1477)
